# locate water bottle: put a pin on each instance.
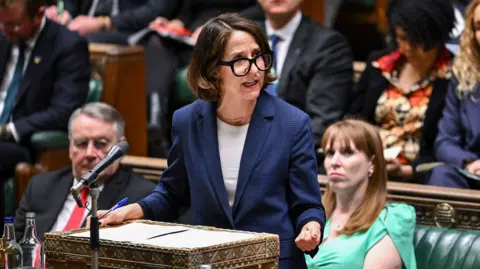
(12, 260)
(32, 246)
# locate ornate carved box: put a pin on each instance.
(147, 244)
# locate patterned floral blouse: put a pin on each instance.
(400, 112)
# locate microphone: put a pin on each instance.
(115, 153)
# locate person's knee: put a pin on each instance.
(445, 176)
(154, 41)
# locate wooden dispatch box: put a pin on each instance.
(173, 246)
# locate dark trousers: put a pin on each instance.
(445, 176)
(163, 58)
(11, 153)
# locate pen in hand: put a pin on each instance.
(60, 8)
(119, 204)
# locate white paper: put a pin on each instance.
(132, 232)
(392, 153)
(196, 238)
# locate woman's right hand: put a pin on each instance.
(129, 212)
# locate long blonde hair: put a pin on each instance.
(466, 66)
(366, 139)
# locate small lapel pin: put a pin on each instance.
(37, 59)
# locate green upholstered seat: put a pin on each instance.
(439, 248)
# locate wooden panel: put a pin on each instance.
(314, 9)
(123, 73)
(435, 206)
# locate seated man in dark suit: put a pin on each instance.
(314, 64)
(44, 75)
(93, 130)
(111, 21)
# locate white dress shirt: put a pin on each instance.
(286, 36)
(10, 69)
(67, 209)
(231, 140)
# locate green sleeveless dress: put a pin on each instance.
(396, 220)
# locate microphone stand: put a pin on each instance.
(89, 180)
(94, 225)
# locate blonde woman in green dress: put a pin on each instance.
(362, 230)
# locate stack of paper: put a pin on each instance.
(167, 236)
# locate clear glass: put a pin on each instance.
(32, 246)
(12, 260)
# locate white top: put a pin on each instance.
(231, 140)
(68, 207)
(10, 69)
(286, 36)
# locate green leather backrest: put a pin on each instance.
(439, 248)
(95, 90)
(182, 94)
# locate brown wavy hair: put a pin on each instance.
(366, 139)
(202, 76)
(466, 65)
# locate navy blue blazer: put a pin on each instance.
(459, 129)
(277, 189)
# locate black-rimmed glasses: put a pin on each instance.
(241, 66)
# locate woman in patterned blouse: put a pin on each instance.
(402, 91)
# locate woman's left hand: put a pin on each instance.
(309, 237)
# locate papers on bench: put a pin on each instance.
(196, 238)
(135, 38)
(167, 236)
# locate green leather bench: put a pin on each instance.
(48, 140)
(440, 248)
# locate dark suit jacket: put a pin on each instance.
(47, 192)
(134, 15)
(195, 13)
(52, 89)
(371, 86)
(317, 75)
(277, 189)
(459, 129)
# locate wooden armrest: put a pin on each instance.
(417, 190)
(146, 162)
(114, 50)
